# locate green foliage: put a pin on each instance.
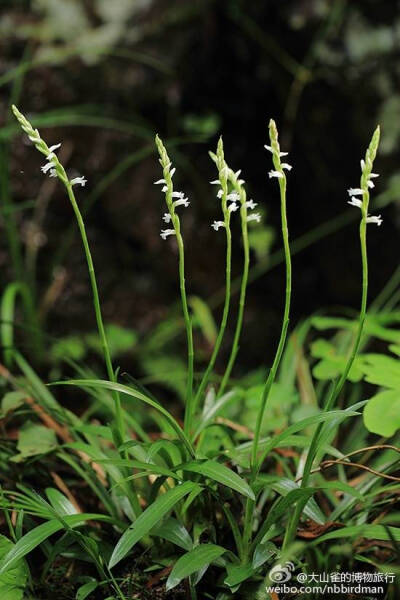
(187, 469)
(13, 581)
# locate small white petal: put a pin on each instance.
(220, 193)
(240, 181)
(371, 184)
(286, 166)
(277, 174)
(181, 202)
(166, 232)
(283, 153)
(355, 202)
(233, 207)
(371, 175)
(254, 217)
(269, 148)
(217, 224)
(167, 218)
(233, 197)
(238, 173)
(79, 181)
(55, 147)
(355, 191)
(362, 163)
(375, 219)
(250, 204)
(160, 182)
(47, 167)
(53, 173)
(215, 182)
(172, 172)
(177, 194)
(165, 188)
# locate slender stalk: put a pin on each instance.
(366, 168)
(223, 181)
(255, 464)
(57, 170)
(172, 217)
(243, 289)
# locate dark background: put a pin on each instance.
(105, 76)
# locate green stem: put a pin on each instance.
(119, 421)
(293, 522)
(225, 312)
(242, 298)
(255, 466)
(189, 332)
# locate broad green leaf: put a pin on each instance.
(123, 389)
(193, 561)
(213, 408)
(284, 486)
(221, 474)
(262, 553)
(382, 413)
(204, 318)
(86, 589)
(12, 583)
(120, 340)
(39, 534)
(265, 446)
(34, 439)
(382, 370)
(174, 532)
(371, 532)
(28, 543)
(333, 364)
(71, 347)
(60, 503)
(149, 519)
(11, 401)
(237, 574)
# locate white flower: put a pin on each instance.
(238, 173)
(217, 224)
(269, 148)
(220, 193)
(79, 181)
(34, 138)
(215, 182)
(53, 173)
(233, 197)
(181, 202)
(47, 167)
(362, 163)
(286, 166)
(355, 191)
(277, 174)
(166, 232)
(233, 207)
(167, 217)
(355, 202)
(373, 175)
(376, 219)
(177, 194)
(160, 182)
(370, 184)
(171, 173)
(164, 188)
(53, 148)
(254, 217)
(250, 204)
